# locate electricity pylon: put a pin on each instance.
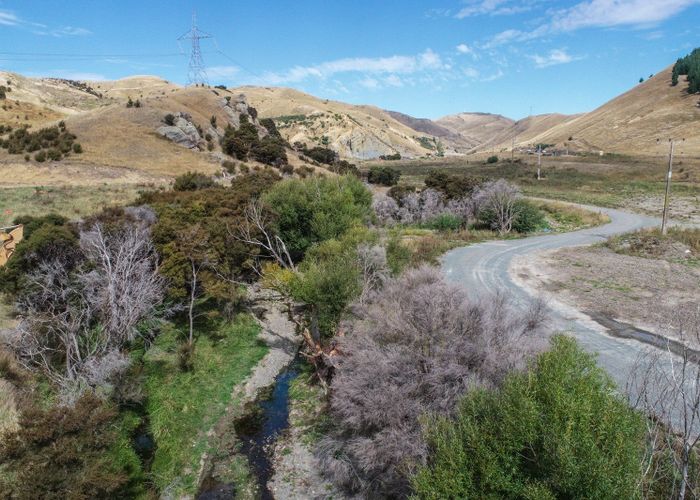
(196, 74)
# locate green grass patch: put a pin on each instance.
(306, 401)
(183, 406)
(563, 217)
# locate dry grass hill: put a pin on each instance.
(122, 144)
(632, 122)
(357, 132)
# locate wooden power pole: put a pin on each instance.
(664, 219)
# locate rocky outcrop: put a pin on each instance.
(182, 132)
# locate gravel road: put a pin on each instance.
(486, 268)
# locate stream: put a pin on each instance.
(257, 430)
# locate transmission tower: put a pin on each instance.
(196, 74)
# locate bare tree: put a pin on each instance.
(256, 229)
(124, 285)
(499, 198)
(415, 347)
(75, 321)
(374, 270)
(666, 385)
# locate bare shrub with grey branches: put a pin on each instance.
(413, 349)
(75, 321)
(420, 207)
(665, 384)
(498, 200)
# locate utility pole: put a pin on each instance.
(539, 161)
(196, 74)
(664, 219)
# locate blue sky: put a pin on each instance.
(427, 59)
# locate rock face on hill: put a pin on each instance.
(182, 132)
(354, 132)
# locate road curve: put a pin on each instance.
(484, 268)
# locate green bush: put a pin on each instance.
(557, 431)
(451, 185)
(169, 119)
(492, 159)
(45, 238)
(386, 176)
(192, 181)
(528, 217)
(312, 210)
(444, 222)
(65, 452)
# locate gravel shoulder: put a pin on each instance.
(638, 291)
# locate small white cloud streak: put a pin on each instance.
(556, 56)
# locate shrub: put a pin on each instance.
(321, 154)
(495, 205)
(415, 347)
(492, 159)
(558, 431)
(392, 157)
(51, 142)
(64, 452)
(451, 185)
(229, 166)
(77, 148)
(528, 217)
(212, 121)
(192, 181)
(271, 128)
(312, 210)
(344, 167)
(399, 192)
(445, 222)
(169, 119)
(386, 176)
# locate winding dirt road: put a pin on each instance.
(485, 268)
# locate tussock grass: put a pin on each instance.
(184, 406)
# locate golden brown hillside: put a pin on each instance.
(359, 132)
(477, 128)
(632, 122)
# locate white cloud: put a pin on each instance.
(598, 14)
(393, 81)
(463, 48)
(223, 71)
(606, 13)
(392, 65)
(495, 7)
(495, 76)
(470, 72)
(556, 56)
(70, 31)
(8, 18)
(369, 83)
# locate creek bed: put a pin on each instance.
(264, 420)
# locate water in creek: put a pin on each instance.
(257, 430)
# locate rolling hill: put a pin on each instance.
(632, 122)
(355, 132)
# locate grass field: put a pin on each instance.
(71, 201)
(609, 181)
(184, 406)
